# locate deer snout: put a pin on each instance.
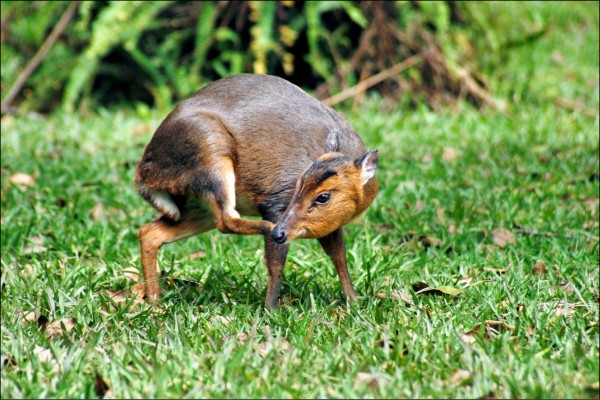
(279, 235)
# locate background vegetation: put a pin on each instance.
(488, 196)
(159, 52)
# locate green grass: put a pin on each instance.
(536, 169)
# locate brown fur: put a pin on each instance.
(305, 219)
(248, 143)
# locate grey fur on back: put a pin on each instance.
(270, 128)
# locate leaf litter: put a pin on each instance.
(43, 355)
(121, 298)
(371, 380)
(22, 180)
(262, 348)
(561, 308)
(458, 378)
(491, 330)
(539, 268)
(424, 288)
(503, 237)
(396, 295)
(36, 245)
(56, 328)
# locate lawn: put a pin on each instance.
(499, 211)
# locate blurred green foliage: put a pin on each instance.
(157, 52)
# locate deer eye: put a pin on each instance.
(323, 198)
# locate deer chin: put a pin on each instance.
(302, 233)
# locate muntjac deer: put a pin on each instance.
(255, 145)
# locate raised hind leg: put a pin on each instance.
(222, 201)
(155, 234)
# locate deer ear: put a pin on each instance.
(368, 165)
(332, 142)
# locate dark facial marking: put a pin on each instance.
(319, 171)
(323, 176)
(323, 169)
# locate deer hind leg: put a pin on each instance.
(222, 201)
(154, 234)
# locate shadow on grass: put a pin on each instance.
(225, 287)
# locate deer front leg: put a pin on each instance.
(334, 246)
(275, 256)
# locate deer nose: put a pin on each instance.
(279, 236)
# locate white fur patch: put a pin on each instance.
(369, 166)
(162, 201)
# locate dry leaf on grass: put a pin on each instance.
(340, 313)
(56, 328)
(281, 345)
(323, 322)
(27, 316)
(27, 270)
(22, 180)
(396, 295)
(424, 288)
(491, 330)
(385, 227)
(241, 338)
(459, 377)
(262, 348)
(36, 245)
(368, 379)
(139, 290)
(502, 237)
(539, 267)
(221, 319)
(450, 154)
(419, 206)
(592, 204)
(561, 308)
(498, 271)
(499, 326)
(429, 241)
(43, 354)
(439, 211)
(98, 212)
(198, 254)
(121, 298)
